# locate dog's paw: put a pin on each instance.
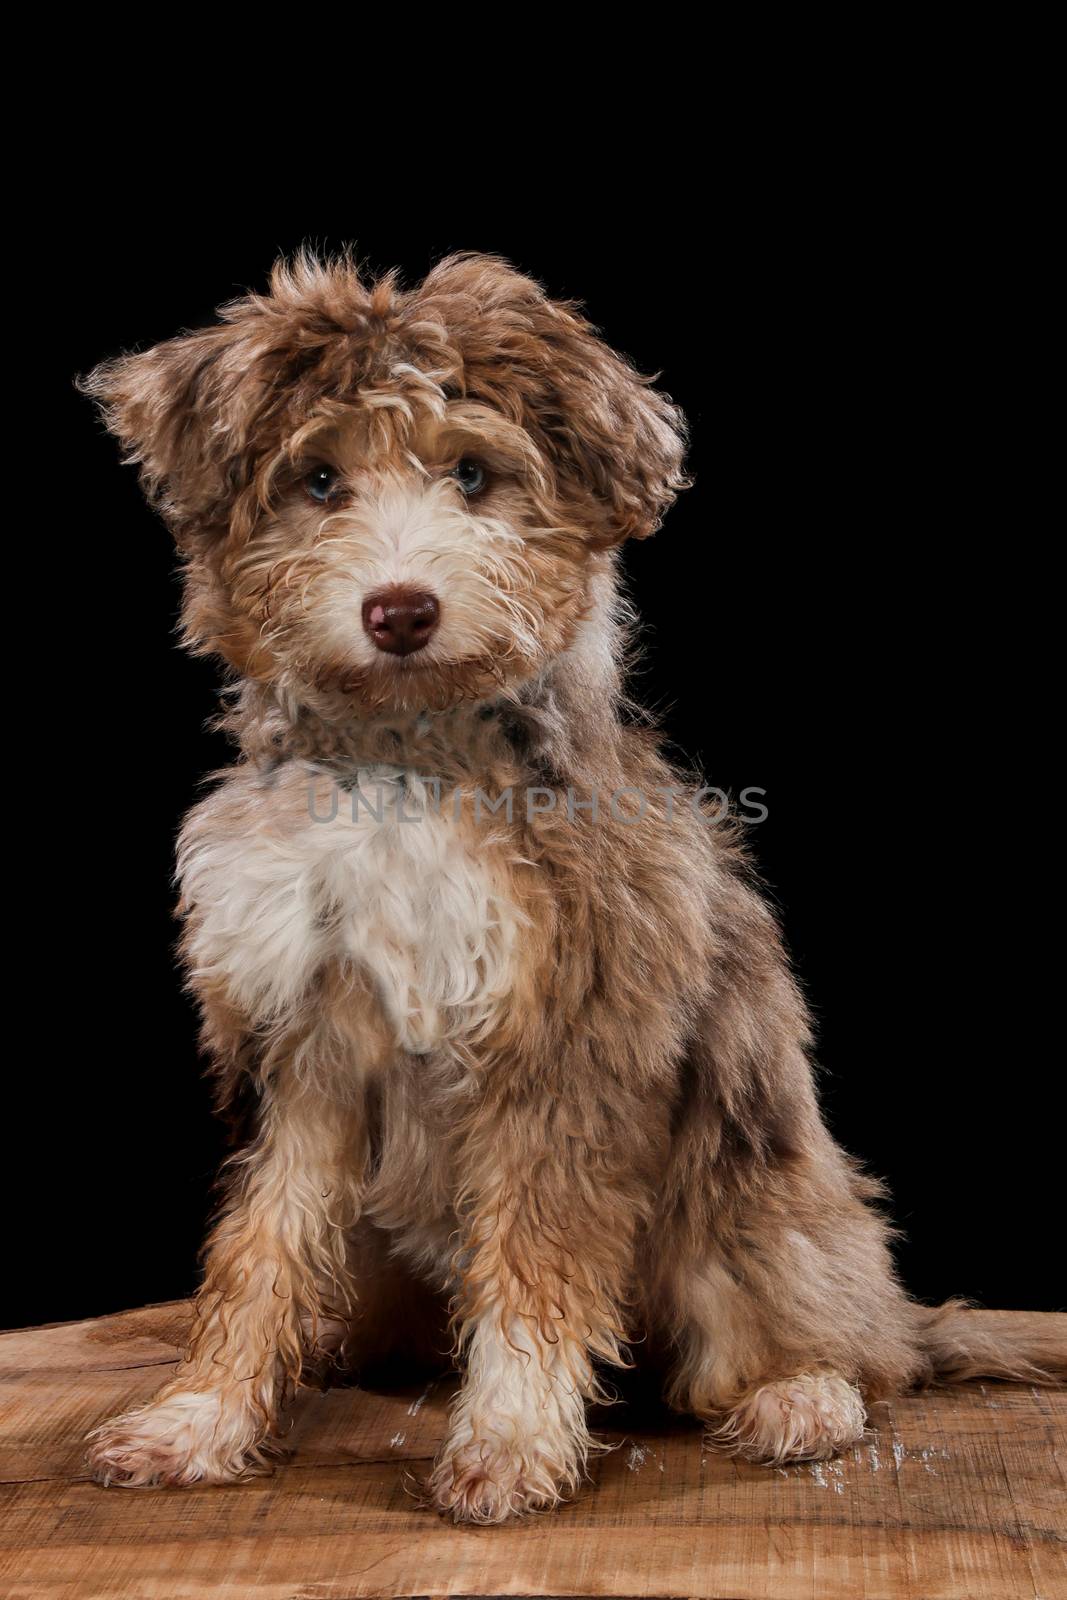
(806, 1418)
(188, 1436)
(486, 1480)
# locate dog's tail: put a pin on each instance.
(960, 1343)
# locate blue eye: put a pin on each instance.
(321, 483)
(470, 475)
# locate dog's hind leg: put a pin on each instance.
(780, 1328)
(763, 1390)
(768, 1266)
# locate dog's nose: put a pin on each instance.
(401, 620)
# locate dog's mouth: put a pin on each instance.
(401, 682)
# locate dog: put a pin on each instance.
(525, 1065)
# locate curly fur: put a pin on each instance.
(544, 1073)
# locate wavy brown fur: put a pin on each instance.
(544, 1072)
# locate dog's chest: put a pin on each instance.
(378, 877)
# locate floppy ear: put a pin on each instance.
(174, 410)
(624, 441)
(603, 426)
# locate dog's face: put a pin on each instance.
(410, 556)
(392, 500)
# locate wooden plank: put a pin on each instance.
(958, 1495)
(128, 1339)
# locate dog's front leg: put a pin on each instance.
(275, 1269)
(542, 1271)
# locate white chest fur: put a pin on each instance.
(282, 880)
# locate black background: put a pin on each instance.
(825, 617)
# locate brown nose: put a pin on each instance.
(400, 620)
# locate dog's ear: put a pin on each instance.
(601, 424)
(206, 415)
(177, 411)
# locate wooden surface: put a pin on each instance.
(958, 1495)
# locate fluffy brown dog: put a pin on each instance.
(520, 1034)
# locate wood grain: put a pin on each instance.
(958, 1495)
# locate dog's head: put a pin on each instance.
(393, 499)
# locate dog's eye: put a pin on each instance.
(470, 475)
(321, 483)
